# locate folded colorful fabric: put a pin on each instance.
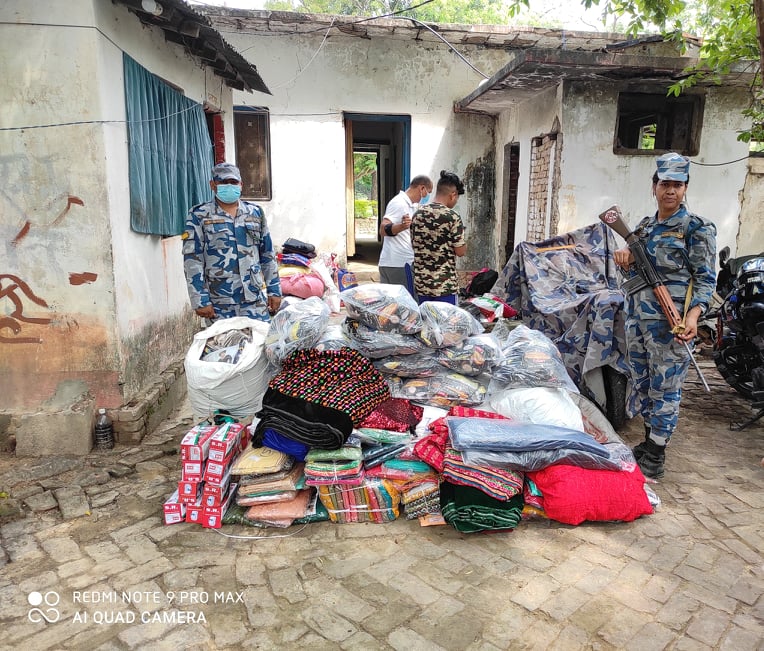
(283, 496)
(277, 441)
(377, 454)
(286, 510)
(396, 414)
(432, 448)
(485, 434)
(260, 461)
(573, 495)
(307, 422)
(376, 436)
(469, 510)
(289, 482)
(495, 482)
(374, 501)
(341, 379)
(345, 453)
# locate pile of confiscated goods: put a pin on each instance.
(392, 408)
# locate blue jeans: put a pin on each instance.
(448, 298)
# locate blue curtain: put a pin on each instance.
(170, 153)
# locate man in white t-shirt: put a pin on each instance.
(394, 229)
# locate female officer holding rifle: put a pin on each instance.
(682, 248)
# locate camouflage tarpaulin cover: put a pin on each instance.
(567, 288)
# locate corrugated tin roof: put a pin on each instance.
(183, 25)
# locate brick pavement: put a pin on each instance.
(688, 577)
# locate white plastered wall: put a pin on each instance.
(312, 86)
(594, 178)
(148, 270)
(64, 207)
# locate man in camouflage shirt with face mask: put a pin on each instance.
(229, 261)
(437, 237)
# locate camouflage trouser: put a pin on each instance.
(658, 368)
(251, 310)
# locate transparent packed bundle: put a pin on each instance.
(383, 307)
(377, 500)
(322, 266)
(377, 345)
(531, 360)
(401, 472)
(296, 327)
(376, 436)
(444, 389)
(475, 355)
(422, 364)
(334, 338)
(444, 324)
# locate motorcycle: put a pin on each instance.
(739, 345)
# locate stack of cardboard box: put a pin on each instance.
(205, 490)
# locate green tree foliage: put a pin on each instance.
(467, 12)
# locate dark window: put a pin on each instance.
(170, 153)
(252, 131)
(650, 123)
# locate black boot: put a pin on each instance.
(651, 460)
(640, 449)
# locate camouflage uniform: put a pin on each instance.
(230, 263)
(435, 231)
(567, 288)
(681, 247)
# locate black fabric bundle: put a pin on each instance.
(300, 420)
(293, 245)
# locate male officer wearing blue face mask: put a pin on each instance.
(228, 255)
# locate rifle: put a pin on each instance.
(647, 276)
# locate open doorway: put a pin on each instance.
(377, 149)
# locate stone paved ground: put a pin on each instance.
(688, 577)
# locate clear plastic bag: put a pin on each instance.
(376, 345)
(443, 389)
(444, 324)
(298, 326)
(383, 307)
(531, 360)
(475, 355)
(422, 364)
(334, 338)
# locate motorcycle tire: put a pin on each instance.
(615, 392)
(730, 362)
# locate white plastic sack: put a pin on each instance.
(238, 388)
(540, 405)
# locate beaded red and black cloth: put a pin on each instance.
(341, 379)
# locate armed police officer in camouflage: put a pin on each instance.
(682, 248)
(229, 261)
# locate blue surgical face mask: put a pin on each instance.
(424, 199)
(228, 193)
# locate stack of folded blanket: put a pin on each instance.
(343, 466)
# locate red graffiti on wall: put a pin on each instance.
(82, 278)
(24, 230)
(10, 287)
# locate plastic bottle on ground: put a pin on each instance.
(104, 431)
